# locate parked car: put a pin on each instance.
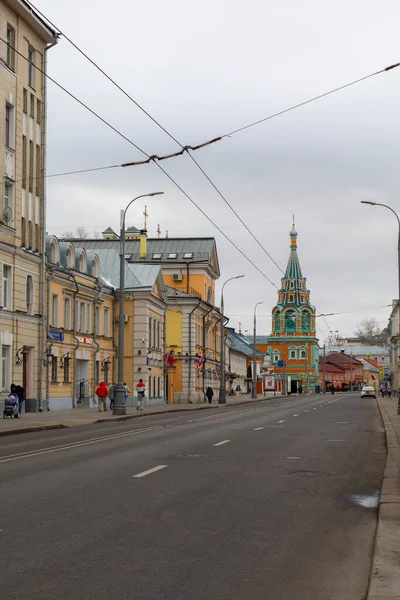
(368, 390)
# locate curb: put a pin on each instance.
(33, 428)
(385, 570)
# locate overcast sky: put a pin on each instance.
(204, 69)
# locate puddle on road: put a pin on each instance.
(365, 500)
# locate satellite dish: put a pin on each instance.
(7, 214)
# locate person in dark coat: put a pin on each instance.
(209, 394)
(19, 391)
(333, 389)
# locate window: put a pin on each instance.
(70, 258)
(154, 333)
(23, 231)
(9, 126)
(38, 169)
(31, 166)
(82, 263)
(30, 235)
(67, 313)
(37, 236)
(97, 371)
(25, 100)
(32, 107)
(53, 253)
(38, 111)
(96, 267)
(303, 354)
(172, 255)
(54, 310)
(188, 255)
(29, 294)
(54, 369)
(8, 195)
(106, 322)
(66, 369)
(82, 314)
(275, 358)
(5, 368)
(10, 60)
(150, 332)
(159, 387)
(158, 335)
(24, 161)
(157, 255)
(31, 66)
(87, 327)
(7, 285)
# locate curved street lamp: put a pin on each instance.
(398, 239)
(222, 392)
(254, 371)
(119, 407)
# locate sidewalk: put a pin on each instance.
(385, 571)
(87, 416)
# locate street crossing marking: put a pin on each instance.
(258, 428)
(296, 415)
(150, 471)
(306, 410)
(222, 443)
(282, 421)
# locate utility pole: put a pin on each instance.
(324, 386)
(254, 373)
(351, 370)
(284, 378)
(305, 370)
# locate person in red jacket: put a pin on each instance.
(102, 393)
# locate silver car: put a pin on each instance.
(368, 390)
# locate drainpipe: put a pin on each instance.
(43, 222)
(204, 342)
(165, 391)
(190, 348)
(75, 338)
(95, 328)
(114, 374)
(187, 278)
(40, 407)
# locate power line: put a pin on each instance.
(156, 163)
(295, 106)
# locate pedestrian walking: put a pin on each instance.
(127, 391)
(102, 393)
(141, 389)
(111, 395)
(389, 390)
(332, 389)
(18, 390)
(382, 390)
(209, 394)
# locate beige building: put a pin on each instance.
(22, 206)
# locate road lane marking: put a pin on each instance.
(293, 457)
(211, 417)
(222, 443)
(314, 408)
(72, 445)
(150, 471)
(258, 428)
(282, 421)
(306, 410)
(341, 422)
(296, 415)
(335, 440)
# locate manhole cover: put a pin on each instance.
(309, 473)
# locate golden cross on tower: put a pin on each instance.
(145, 214)
(293, 222)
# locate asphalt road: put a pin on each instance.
(252, 502)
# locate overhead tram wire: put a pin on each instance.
(156, 163)
(186, 148)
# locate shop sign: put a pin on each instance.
(84, 340)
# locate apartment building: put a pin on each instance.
(24, 41)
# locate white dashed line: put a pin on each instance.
(296, 415)
(293, 457)
(306, 410)
(314, 408)
(341, 422)
(258, 428)
(153, 470)
(335, 440)
(282, 421)
(222, 443)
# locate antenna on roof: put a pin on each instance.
(166, 234)
(240, 328)
(145, 214)
(158, 231)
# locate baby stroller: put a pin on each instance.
(11, 406)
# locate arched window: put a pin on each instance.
(82, 262)
(292, 354)
(209, 295)
(70, 257)
(96, 267)
(29, 294)
(303, 354)
(277, 321)
(54, 253)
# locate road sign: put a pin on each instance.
(281, 363)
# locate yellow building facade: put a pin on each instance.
(22, 205)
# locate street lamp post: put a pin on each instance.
(254, 372)
(222, 394)
(398, 238)
(119, 407)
